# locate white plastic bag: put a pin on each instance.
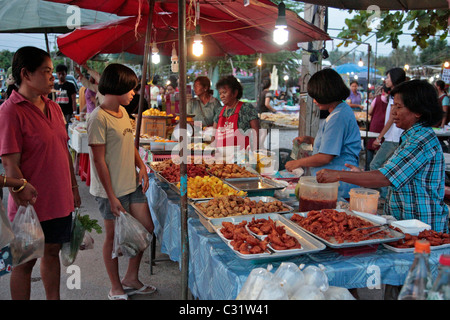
(273, 290)
(6, 233)
(28, 243)
(338, 293)
(316, 277)
(291, 275)
(308, 292)
(254, 283)
(88, 242)
(130, 236)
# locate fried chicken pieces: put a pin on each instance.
(435, 239)
(331, 224)
(245, 243)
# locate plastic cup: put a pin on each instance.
(364, 200)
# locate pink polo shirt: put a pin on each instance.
(42, 142)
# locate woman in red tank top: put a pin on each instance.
(237, 121)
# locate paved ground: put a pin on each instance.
(94, 281)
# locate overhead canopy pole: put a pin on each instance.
(144, 73)
(183, 153)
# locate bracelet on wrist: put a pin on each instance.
(75, 186)
(21, 188)
(4, 181)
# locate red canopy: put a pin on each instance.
(227, 29)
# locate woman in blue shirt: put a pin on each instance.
(338, 140)
(416, 171)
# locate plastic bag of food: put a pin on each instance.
(338, 293)
(254, 283)
(308, 292)
(291, 275)
(6, 233)
(88, 242)
(69, 250)
(273, 290)
(316, 277)
(130, 236)
(28, 243)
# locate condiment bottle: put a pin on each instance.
(418, 281)
(441, 286)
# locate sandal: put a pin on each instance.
(118, 296)
(145, 289)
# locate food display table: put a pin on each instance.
(217, 273)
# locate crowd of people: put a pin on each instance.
(407, 156)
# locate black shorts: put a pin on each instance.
(57, 230)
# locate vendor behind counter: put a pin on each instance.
(416, 171)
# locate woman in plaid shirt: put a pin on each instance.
(416, 171)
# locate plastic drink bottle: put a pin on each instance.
(441, 286)
(418, 281)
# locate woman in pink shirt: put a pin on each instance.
(33, 146)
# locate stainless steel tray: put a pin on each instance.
(171, 184)
(154, 162)
(309, 244)
(255, 184)
(395, 235)
(204, 219)
(200, 199)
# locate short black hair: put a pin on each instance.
(61, 68)
(29, 58)
(117, 79)
(440, 84)
(231, 82)
(354, 81)
(397, 75)
(420, 96)
(327, 86)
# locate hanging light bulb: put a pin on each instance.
(259, 62)
(174, 59)
(360, 62)
(197, 46)
(155, 54)
(281, 34)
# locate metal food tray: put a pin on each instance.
(204, 219)
(404, 250)
(152, 162)
(309, 244)
(254, 184)
(395, 234)
(201, 199)
(171, 184)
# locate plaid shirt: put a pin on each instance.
(416, 171)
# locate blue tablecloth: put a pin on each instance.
(217, 273)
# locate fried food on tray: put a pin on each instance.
(245, 243)
(241, 240)
(435, 238)
(162, 165)
(172, 173)
(235, 205)
(227, 171)
(330, 224)
(209, 187)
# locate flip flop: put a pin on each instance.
(142, 290)
(117, 297)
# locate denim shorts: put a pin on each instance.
(134, 197)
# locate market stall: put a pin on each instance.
(216, 271)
